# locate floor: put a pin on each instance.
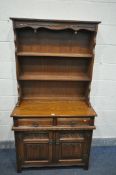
(102, 162)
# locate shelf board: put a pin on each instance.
(55, 77)
(85, 55)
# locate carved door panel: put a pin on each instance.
(71, 147)
(37, 148)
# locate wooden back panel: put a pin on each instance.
(54, 41)
(53, 90)
(54, 66)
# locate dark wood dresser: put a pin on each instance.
(53, 119)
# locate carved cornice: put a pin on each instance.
(56, 26)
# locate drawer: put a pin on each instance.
(34, 122)
(74, 121)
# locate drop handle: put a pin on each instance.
(35, 124)
(73, 123)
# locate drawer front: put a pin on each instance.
(74, 121)
(34, 122)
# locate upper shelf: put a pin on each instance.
(57, 43)
(85, 55)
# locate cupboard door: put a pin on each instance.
(37, 148)
(71, 147)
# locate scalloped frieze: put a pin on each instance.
(56, 26)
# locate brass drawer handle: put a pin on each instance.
(73, 123)
(35, 124)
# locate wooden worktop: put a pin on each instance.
(43, 108)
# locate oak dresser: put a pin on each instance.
(53, 118)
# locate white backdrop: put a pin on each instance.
(103, 89)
